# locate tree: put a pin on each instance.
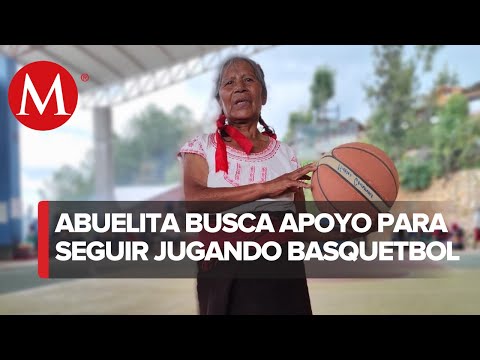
(295, 119)
(446, 78)
(470, 157)
(429, 104)
(147, 154)
(69, 183)
(393, 96)
(454, 136)
(426, 54)
(150, 148)
(322, 89)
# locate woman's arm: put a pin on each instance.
(195, 169)
(202, 198)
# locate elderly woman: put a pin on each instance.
(239, 163)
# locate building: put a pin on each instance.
(472, 93)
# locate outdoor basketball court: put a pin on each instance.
(455, 291)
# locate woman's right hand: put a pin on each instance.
(289, 182)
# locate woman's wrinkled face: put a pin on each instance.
(240, 92)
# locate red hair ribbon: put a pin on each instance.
(221, 162)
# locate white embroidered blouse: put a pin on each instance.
(275, 160)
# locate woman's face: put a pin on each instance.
(240, 92)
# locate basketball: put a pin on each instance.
(355, 177)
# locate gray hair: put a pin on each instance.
(231, 60)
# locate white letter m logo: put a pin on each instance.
(28, 87)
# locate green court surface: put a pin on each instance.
(453, 291)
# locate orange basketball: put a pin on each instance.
(355, 177)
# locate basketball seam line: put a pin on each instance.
(368, 152)
(325, 195)
(371, 202)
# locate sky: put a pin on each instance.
(288, 72)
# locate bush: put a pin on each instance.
(415, 174)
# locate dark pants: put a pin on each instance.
(254, 288)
